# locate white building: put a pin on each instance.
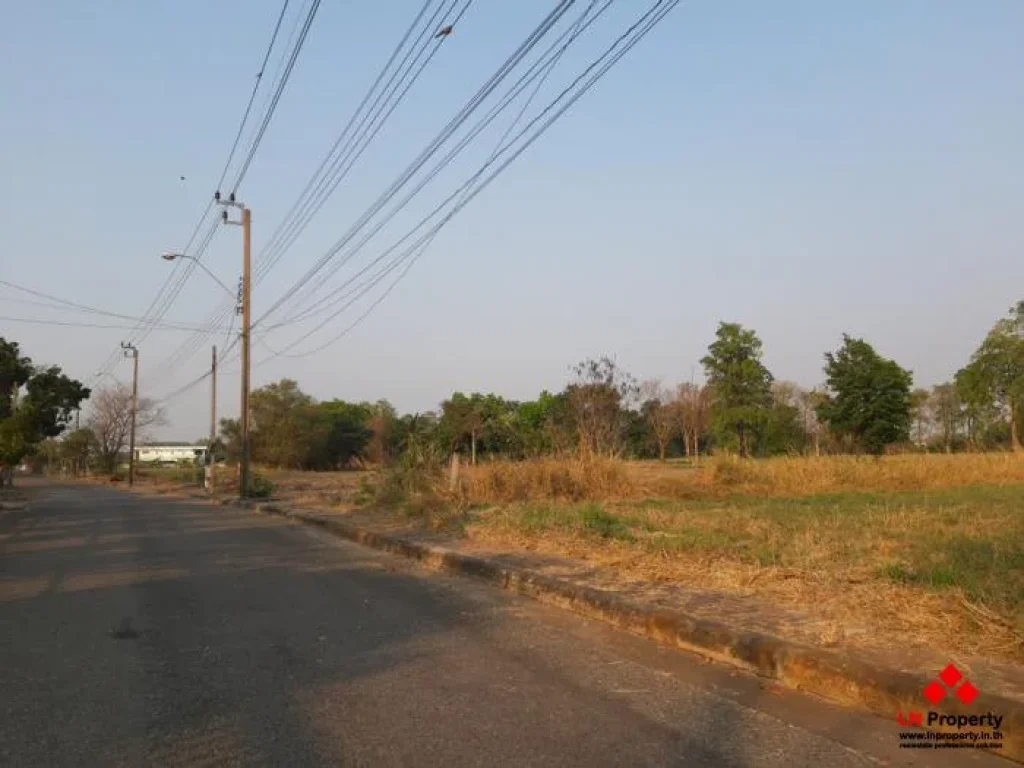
(170, 453)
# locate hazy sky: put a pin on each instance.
(804, 168)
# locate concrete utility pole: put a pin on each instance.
(243, 416)
(211, 469)
(132, 352)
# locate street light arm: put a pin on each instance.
(206, 269)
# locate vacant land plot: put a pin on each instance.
(924, 551)
(601, 480)
(943, 567)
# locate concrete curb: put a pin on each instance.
(828, 674)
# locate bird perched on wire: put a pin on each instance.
(444, 32)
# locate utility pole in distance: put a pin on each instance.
(131, 351)
(211, 469)
(246, 311)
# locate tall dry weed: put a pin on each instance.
(600, 479)
(587, 478)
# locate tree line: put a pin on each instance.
(866, 404)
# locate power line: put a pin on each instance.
(185, 388)
(225, 312)
(345, 130)
(369, 126)
(63, 305)
(610, 57)
(488, 87)
(252, 96)
(76, 324)
(579, 27)
(165, 298)
(539, 71)
(179, 274)
(272, 108)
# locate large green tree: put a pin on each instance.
(542, 426)
(291, 429)
(36, 403)
(869, 399)
(335, 433)
(15, 370)
(277, 436)
(741, 386)
(993, 381)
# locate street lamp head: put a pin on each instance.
(170, 256)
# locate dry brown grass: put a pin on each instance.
(597, 479)
(916, 546)
(843, 606)
(943, 569)
(571, 479)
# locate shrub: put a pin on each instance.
(261, 487)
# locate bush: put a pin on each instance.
(261, 487)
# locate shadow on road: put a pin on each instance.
(145, 631)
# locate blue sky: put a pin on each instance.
(804, 168)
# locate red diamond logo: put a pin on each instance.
(934, 692)
(967, 692)
(950, 676)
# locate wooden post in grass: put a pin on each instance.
(453, 472)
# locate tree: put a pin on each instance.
(599, 399)
(276, 434)
(994, 379)
(808, 404)
(231, 438)
(462, 417)
(693, 411)
(980, 413)
(78, 447)
(110, 420)
(35, 404)
(919, 414)
(383, 427)
(783, 429)
(946, 413)
(741, 385)
(660, 411)
(542, 426)
(334, 434)
(416, 437)
(15, 444)
(869, 396)
(15, 371)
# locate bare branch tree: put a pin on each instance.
(693, 412)
(110, 420)
(599, 400)
(807, 403)
(660, 410)
(947, 413)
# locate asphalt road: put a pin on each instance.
(136, 631)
